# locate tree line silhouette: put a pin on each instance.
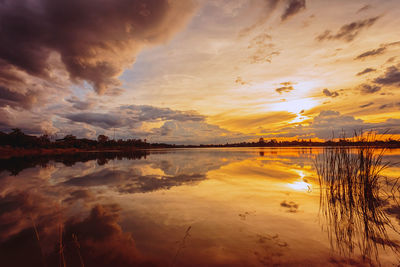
(389, 143)
(17, 139)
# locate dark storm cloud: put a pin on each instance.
(330, 93)
(16, 99)
(293, 7)
(95, 40)
(390, 77)
(369, 89)
(349, 31)
(365, 71)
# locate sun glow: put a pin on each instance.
(295, 106)
(300, 184)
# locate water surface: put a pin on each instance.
(190, 207)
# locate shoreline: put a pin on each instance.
(9, 152)
(24, 152)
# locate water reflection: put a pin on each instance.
(194, 207)
(17, 164)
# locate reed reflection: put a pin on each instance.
(353, 201)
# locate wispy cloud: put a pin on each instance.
(286, 88)
(376, 52)
(348, 32)
(369, 89)
(365, 71)
(293, 7)
(329, 93)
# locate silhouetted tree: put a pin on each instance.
(102, 138)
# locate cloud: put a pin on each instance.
(81, 105)
(391, 76)
(284, 89)
(95, 42)
(28, 121)
(290, 206)
(256, 120)
(330, 93)
(390, 105)
(114, 92)
(369, 89)
(293, 7)
(262, 49)
(376, 52)
(16, 99)
(240, 81)
(101, 240)
(193, 132)
(130, 115)
(103, 120)
(287, 87)
(147, 122)
(128, 182)
(349, 31)
(391, 60)
(367, 105)
(365, 71)
(83, 194)
(328, 123)
(150, 113)
(370, 53)
(268, 7)
(364, 8)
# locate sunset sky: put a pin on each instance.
(201, 71)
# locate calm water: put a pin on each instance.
(190, 207)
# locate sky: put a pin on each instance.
(200, 71)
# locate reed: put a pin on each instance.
(352, 199)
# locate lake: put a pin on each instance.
(193, 207)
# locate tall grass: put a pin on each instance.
(352, 199)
